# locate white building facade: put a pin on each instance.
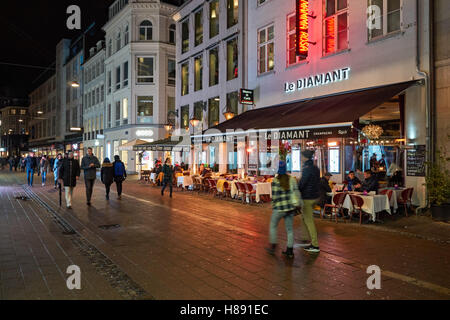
(139, 70)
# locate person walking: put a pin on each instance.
(68, 174)
(44, 165)
(167, 170)
(285, 202)
(30, 164)
(11, 163)
(56, 165)
(89, 164)
(16, 163)
(120, 174)
(38, 162)
(309, 187)
(107, 175)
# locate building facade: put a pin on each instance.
(13, 130)
(139, 66)
(94, 99)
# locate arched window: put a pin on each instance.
(127, 35)
(145, 30)
(109, 47)
(172, 32)
(118, 41)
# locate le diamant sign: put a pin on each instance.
(318, 80)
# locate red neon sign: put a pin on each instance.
(302, 24)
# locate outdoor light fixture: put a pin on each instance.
(168, 127)
(372, 131)
(75, 84)
(228, 113)
(40, 112)
(20, 120)
(332, 144)
(194, 121)
(76, 129)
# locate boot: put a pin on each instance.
(271, 249)
(289, 252)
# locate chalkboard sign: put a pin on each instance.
(415, 161)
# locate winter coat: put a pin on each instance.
(119, 178)
(90, 172)
(107, 173)
(69, 170)
(370, 184)
(324, 188)
(310, 181)
(44, 165)
(168, 173)
(56, 165)
(30, 163)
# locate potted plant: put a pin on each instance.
(437, 181)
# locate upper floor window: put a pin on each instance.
(386, 17)
(184, 78)
(214, 66)
(232, 12)
(213, 18)
(145, 31)
(118, 41)
(266, 59)
(109, 47)
(185, 36)
(118, 78)
(232, 59)
(127, 35)
(171, 67)
(125, 74)
(172, 33)
(262, 1)
(198, 73)
(335, 26)
(198, 19)
(292, 58)
(145, 69)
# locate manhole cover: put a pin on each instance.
(109, 226)
(22, 197)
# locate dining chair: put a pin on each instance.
(251, 192)
(406, 198)
(242, 191)
(226, 190)
(336, 206)
(357, 203)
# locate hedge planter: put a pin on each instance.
(441, 213)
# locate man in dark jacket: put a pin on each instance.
(120, 175)
(309, 188)
(370, 182)
(352, 181)
(89, 164)
(30, 164)
(324, 189)
(168, 176)
(107, 175)
(68, 173)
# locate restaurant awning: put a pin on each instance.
(129, 145)
(335, 110)
(169, 144)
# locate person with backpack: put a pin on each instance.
(167, 170)
(120, 174)
(44, 164)
(286, 200)
(107, 175)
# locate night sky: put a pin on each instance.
(29, 33)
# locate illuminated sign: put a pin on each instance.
(301, 28)
(318, 80)
(144, 133)
(246, 96)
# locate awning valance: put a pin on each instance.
(169, 144)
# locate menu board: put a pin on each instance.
(415, 161)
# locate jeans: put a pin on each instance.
(44, 176)
(289, 224)
(89, 188)
(165, 184)
(108, 188)
(30, 173)
(308, 220)
(69, 192)
(119, 187)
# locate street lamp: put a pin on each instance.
(75, 84)
(228, 113)
(194, 121)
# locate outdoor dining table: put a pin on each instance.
(261, 188)
(373, 203)
(153, 177)
(396, 194)
(185, 181)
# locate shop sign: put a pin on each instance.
(318, 80)
(415, 161)
(313, 133)
(144, 133)
(247, 96)
(301, 28)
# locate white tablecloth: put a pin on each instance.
(153, 177)
(262, 188)
(185, 181)
(396, 194)
(372, 204)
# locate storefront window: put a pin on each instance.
(213, 18)
(145, 109)
(198, 73)
(266, 58)
(124, 111)
(232, 12)
(198, 19)
(213, 66)
(232, 59)
(213, 112)
(335, 26)
(185, 36)
(185, 79)
(334, 160)
(124, 155)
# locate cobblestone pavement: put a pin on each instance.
(195, 247)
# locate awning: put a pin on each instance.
(169, 144)
(129, 145)
(331, 111)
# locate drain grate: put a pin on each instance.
(109, 226)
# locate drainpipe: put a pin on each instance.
(429, 82)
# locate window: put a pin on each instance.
(68, 94)
(214, 66)
(125, 111)
(144, 109)
(125, 74)
(13, 111)
(213, 18)
(109, 115)
(232, 102)
(185, 117)
(127, 35)
(292, 58)
(198, 73)
(266, 61)
(97, 69)
(97, 95)
(232, 12)
(198, 20)
(102, 93)
(171, 73)
(185, 36)
(232, 59)
(145, 69)
(117, 113)
(185, 79)
(145, 31)
(109, 47)
(109, 82)
(171, 109)
(172, 33)
(261, 1)
(117, 78)
(53, 125)
(381, 25)
(198, 110)
(213, 112)
(335, 26)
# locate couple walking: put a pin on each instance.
(287, 198)
(113, 172)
